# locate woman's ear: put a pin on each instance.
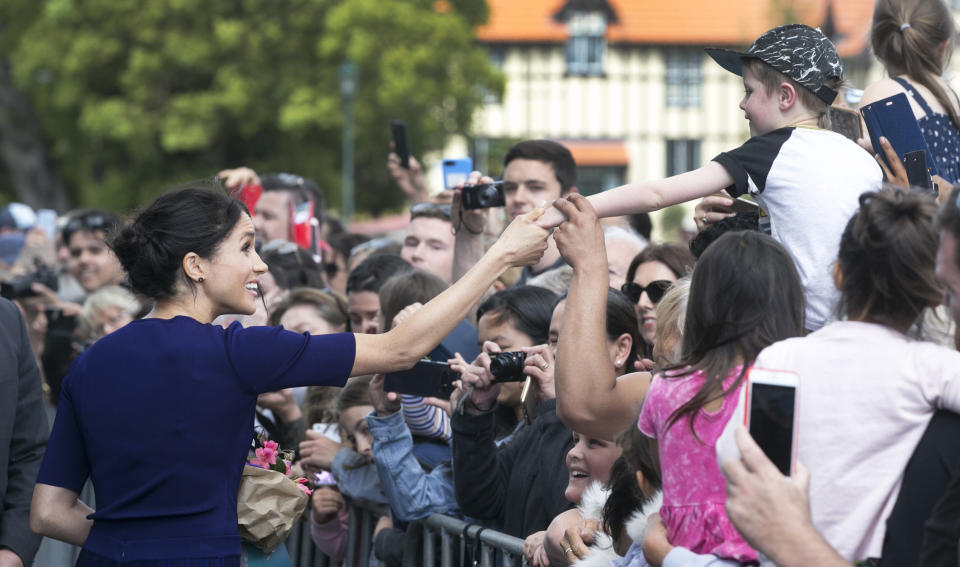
(623, 345)
(194, 267)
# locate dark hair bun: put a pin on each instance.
(152, 246)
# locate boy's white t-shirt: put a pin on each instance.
(809, 182)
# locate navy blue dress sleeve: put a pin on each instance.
(65, 463)
(267, 359)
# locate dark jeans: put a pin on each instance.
(89, 559)
(934, 463)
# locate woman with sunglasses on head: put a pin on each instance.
(650, 275)
(191, 387)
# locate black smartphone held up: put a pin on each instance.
(917, 173)
(400, 146)
(772, 415)
(845, 122)
(426, 378)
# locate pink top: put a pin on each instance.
(694, 491)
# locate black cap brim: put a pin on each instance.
(728, 59)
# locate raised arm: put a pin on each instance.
(522, 243)
(653, 195)
(590, 398)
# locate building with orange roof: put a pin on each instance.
(625, 84)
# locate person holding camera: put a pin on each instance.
(191, 387)
(519, 487)
(535, 172)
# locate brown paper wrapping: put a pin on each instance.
(268, 506)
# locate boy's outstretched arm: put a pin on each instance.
(652, 195)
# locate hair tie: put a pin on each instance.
(904, 26)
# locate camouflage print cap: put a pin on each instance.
(800, 52)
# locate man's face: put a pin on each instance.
(271, 216)
(92, 263)
(428, 246)
(364, 310)
(948, 273)
(527, 184)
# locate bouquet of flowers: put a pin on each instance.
(270, 501)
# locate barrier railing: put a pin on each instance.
(454, 540)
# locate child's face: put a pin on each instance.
(590, 460)
(354, 424)
(760, 108)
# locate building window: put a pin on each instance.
(586, 44)
(594, 179)
(684, 78)
(682, 156)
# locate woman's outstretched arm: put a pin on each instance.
(521, 244)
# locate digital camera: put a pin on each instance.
(508, 366)
(483, 196)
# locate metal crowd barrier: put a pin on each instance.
(458, 541)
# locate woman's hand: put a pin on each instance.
(477, 374)
(326, 502)
(385, 403)
(570, 531)
(580, 238)
(539, 365)
(712, 209)
(239, 177)
(522, 243)
(318, 452)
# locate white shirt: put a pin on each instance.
(866, 396)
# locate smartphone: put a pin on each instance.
(771, 415)
(744, 205)
(47, 222)
(529, 401)
(845, 122)
(426, 378)
(893, 118)
(917, 174)
(400, 146)
(456, 171)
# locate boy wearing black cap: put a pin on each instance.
(806, 179)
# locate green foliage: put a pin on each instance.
(135, 96)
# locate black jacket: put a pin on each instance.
(23, 433)
(521, 486)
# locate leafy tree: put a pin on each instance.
(134, 96)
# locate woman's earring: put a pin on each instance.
(619, 363)
(200, 279)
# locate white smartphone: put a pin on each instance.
(771, 415)
(47, 221)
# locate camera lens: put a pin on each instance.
(508, 366)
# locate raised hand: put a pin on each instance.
(712, 209)
(523, 242)
(580, 238)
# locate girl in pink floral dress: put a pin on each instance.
(745, 294)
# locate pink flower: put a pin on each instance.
(267, 453)
(287, 463)
(257, 462)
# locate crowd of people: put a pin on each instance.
(598, 379)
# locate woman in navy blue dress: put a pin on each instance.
(159, 413)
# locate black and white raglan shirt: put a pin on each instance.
(809, 182)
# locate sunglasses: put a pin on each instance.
(654, 289)
(425, 208)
